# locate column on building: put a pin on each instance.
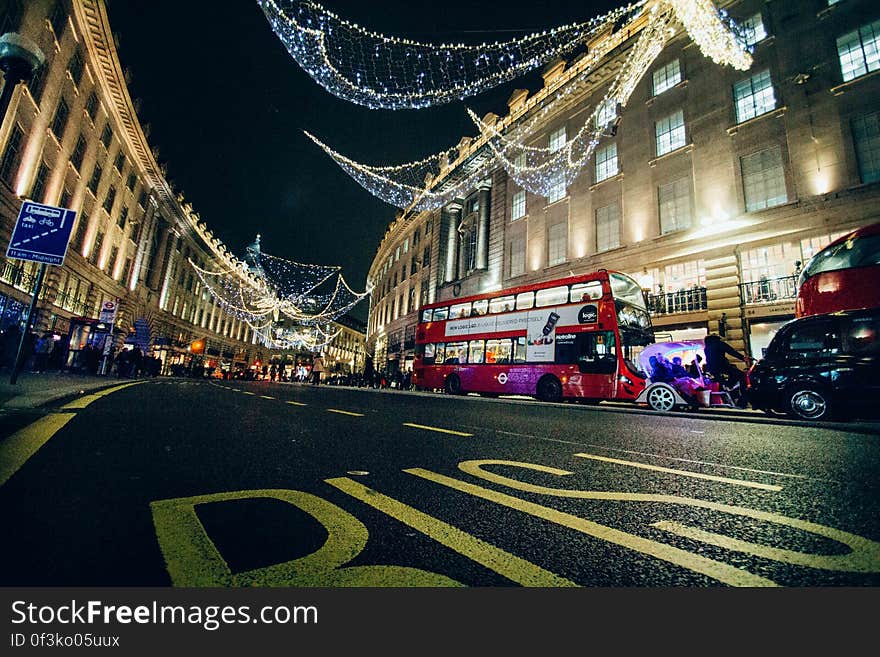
(482, 260)
(723, 299)
(452, 220)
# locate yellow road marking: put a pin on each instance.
(248, 393)
(508, 565)
(82, 402)
(336, 410)
(24, 443)
(192, 559)
(715, 569)
(267, 397)
(683, 473)
(295, 403)
(863, 557)
(427, 428)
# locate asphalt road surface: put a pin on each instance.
(197, 483)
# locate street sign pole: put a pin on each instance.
(19, 357)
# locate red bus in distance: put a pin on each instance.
(845, 275)
(577, 337)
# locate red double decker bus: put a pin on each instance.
(845, 275)
(577, 337)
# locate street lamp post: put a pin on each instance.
(19, 59)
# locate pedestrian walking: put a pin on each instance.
(317, 369)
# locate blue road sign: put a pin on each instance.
(41, 233)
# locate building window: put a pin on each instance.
(675, 206)
(518, 208)
(859, 51)
(667, 77)
(92, 106)
(66, 198)
(606, 162)
(79, 237)
(557, 244)
(96, 249)
(111, 261)
(76, 66)
(754, 96)
(606, 113)
(59, 121)
(607, 227)
(556, 190)
(58, 18)
(557, 139)
(9, 163)
(130, 183)
(110, 199)
(39, 189)
(470, 245)
(37, 83)
(79, 152)
(95, 179)
(517, 256)
(142, 199)
(426, 256)
(670, 133)
(107, 136)
(866, 135)
(764, 179)
(753, 30)
(119, 162)
(123, 216)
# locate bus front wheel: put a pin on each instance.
(549, 389)
(452, 385)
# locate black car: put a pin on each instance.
(820, 367)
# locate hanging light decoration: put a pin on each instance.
(266, 291)
(422, 185)
(384, 72)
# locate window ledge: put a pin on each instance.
(619, 247)
(564, 198)
(522, 218)
(687, 148)
(680, 85)
(618, 176)
(843, 88)
(775, 113)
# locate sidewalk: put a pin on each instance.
(33, 390)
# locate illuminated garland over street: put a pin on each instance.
(383, 72)
(264, 290)
(423, 185)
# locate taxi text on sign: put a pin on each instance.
(41, 233)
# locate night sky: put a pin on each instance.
(227, 106)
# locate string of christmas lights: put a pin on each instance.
(383, 72)
(421, 185)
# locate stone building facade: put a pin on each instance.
(714, 189)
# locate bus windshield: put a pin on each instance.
(626, 289)
(860, 251)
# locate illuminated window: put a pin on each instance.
(866, 136)
(606, 162)
(675, 205)
(753, 30)
(557, 139)
(518, 209)
(607, 112)
(667, 77)
(556, 191)
(754, 96)
(764, 179)
(607, 227)
(859, 51)
(669, 133)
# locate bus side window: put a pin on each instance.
(519, 354)
(525, 300)
(428, 355)
(439, 353)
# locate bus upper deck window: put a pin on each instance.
(440, 314)
(480, 307)
(591, 291)
(525, 300)
(426, 315)
(501, 304)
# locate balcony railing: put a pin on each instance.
(683, 301)
(769, 290)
